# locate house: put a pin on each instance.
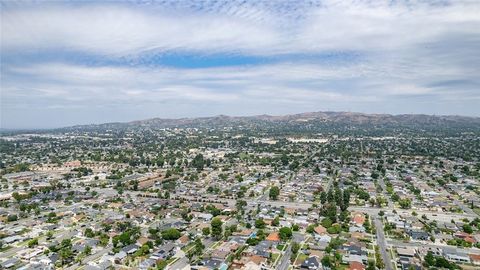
(263, 248)
(475, 258)
(183, 240)
(12, 239)
(130, 249)
(203, 216)
(10, 263)
(238, 239)
(250, 262)
(142, 240)
(358, 235)
(353, 250)
(465, 236)
(54, 258)
(245, 232)
(119, 257)
(354, 253)
(356, 229)
(356, 266)
(324, 238)
(418, 235)
(358, 219)
(455, 256)
(407, 252)
(409, 266)
(164, 252)
(102, 265)
(273, 237)
(311, 263)
(146, 264)
(213, 264)
(320, 230)
(224, 250)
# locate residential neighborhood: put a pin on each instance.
(185, 198)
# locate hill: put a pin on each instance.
(305, 122)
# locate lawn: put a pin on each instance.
(275, 256)
(5, 248)
(301, 258)
(187, 247)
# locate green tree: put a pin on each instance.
(323, 197)
(327, 222)
(295, 247)
(285, 233)
(467, 228)
(310, 228)
(216, 225)
(405, 203)
(11, 218)
(274, 192)
(89, 233)
(17, 196)
(171, 234)
(276, 221)
(32, 242)
(88, 250)
(429, 259)
(198, 246)
(259, 223)
(198, 162)
(326, 261)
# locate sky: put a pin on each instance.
(80, 62)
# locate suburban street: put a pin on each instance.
(384, 192)
(59, 236)
(91, 258)
(382, 243)
(285, 260)
(397, 243)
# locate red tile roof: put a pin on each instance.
(356, 266)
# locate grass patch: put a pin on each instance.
(275, 256)
(217, 244)
(301, 258)
(5, 248)
(187, 247)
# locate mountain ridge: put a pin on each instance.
(306, 117)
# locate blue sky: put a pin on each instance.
(67, 63)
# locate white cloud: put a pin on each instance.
(119, 31)
(288, 82)
(409, 54)
(254, 28)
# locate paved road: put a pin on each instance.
(382, 244)
(442, 216)
(90, 258)
(384, 192)
(298, 237)
(285, 260)
(398, 243)
(59, 236)
(464, 207)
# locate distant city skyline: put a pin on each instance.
(69, 63)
